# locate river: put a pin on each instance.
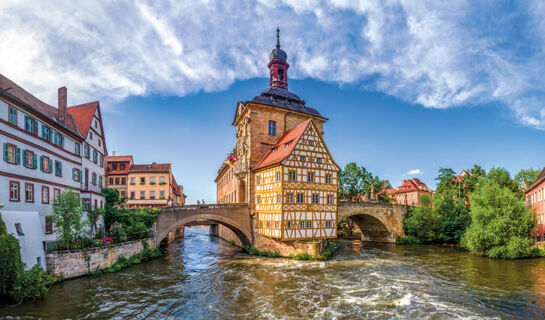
(208, 278)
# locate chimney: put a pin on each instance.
(61, 116)
(113, 153)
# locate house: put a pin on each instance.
(409, 192)
(535, 200)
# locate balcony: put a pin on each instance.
(90, 188)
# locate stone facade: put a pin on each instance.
(76, 263)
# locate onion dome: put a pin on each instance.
(277, 53)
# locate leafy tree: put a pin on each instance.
(356, 181)
(3, 229)
(421, 223)
(527, 175)
(503, 179)
(92, 218)
(500, 223)
(66, 216)
(11, 264)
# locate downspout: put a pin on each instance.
(285, 117)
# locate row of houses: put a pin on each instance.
(48, 149)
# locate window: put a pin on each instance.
(258, 180)
(117, 181)
(300, 198)
(268, 224)
(162, 180)
(94, 179)
(58, 139)
(289, 198)
(31, 125)
(288, 224)
(132, 194)
(29, 159)
(90, 136)
(46, 133)
(101, 161)
(310, 177)
(280, 74)
(86, 204)
(151, 180)
(29, 192)
(292, 175)
(95, 156)
(309, 224)
(77, 149)
(121, 166)
(48, 225)
(100, 181)
(277, 225)
(272, 128)
(19, 229)
(13, 191)
(142, 180)
(12, 115)
(58, 168)
(86, 151)
(277, 176)
(311, 143)
(302, 225)
(45, 194)
(330, 199)
(258, 199)
(328, 224)
(161, 194)
(123, 181)
(99, 143)
(133, 180)
(142, 194)
(114, 166)
(12, 154)
(152, 194)
(319, 160)
(111, 181)
(278, 198)
(315, 198)
(303, 159)
(328, 178)
(56, 193)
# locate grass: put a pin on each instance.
(325, 254)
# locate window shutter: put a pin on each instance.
(35, 161)
(27, 126)
(80, 175)
(35, 127)
(43, 132)
(50, 165)
(24, 157)
(73, 173)
(41, 163)
(6, 156)
(62, 141)
(18, 156)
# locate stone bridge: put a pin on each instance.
(377, 222)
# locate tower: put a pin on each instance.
(278, 66)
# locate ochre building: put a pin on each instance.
(153, 185)
(284, 170)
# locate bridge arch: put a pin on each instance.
(236, 217)
(377, 222)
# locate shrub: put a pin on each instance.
(273, 254)
(407, 240)
(137, 230)
(252, 251)
(66, 216)
(31, 285)
(327, 252)
(302, 256)
(117, 233)
(11, 264)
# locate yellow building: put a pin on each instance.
(153, 185)
(296, 187)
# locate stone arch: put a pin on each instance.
(163, 233)
(372, 228)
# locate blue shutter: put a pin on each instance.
(6, 152)
(18, 156)
(35, 161)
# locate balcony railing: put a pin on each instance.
(91, 188)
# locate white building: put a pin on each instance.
(47, 150)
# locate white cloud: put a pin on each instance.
(415, 172)
(439, 54)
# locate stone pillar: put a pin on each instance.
(213, 230)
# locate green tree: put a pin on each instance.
(527, 175)
(66, 216)
(11, 264)
(421, 222)
(92, 218)
(355, 182)
(503, 179)
(500, 223)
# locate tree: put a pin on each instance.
(500, 223)
(527, 175)
(66, 216)
(421, 222)
(503, 179)
(11, 264)
(92, 217)
(354, 182)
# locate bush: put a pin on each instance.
(327, 252)
(31, 285)
(407, 240)
(137, 230)
(252, 251)
(11, 264)
(117, 233)
(302, 256)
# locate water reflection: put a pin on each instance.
(207, 278)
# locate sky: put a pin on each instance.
(409, 86)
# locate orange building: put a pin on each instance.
(409, 192)
(153, 185)
(117, 173)
(535, 200)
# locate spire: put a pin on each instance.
(278, 37)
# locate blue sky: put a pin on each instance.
(407, 85)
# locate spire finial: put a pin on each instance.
(277, 37)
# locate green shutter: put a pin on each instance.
(6, 156)
(41, 163)
(27, 128)
(43, 131)
(73, 173)
(36, 127)
(18, 156)
(62, 141)
(24, 157)
(50, 165)
(80, 175)
(34, 161)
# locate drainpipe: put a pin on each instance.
(285, 117)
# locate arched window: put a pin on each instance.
(272, 128)
(281, 74)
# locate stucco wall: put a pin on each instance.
(76, 263)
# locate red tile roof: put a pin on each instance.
(83, 115)
(118, 158)
(284, 146)
(410, 185)
(154, 167)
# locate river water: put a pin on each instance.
(208, 278)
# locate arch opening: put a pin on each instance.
(371, 228)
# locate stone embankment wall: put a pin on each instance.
(75, 263)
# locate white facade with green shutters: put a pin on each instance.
(40, 161)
